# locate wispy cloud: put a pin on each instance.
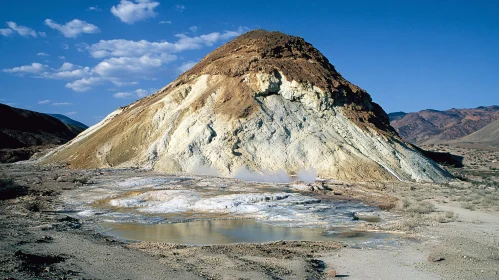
(84, 84)
(180, 8)
(122, 48)
(42, 54)
(34, 68)
(124, 62)
(133, 11)
(94, 8)
(138, 93)
(22, 30)
(44, 101)
(165, 22)
(123, 95)
(67, 71)
(6, 32)
(65, 46)
(61, 103)
(73, 28)
(193, 28)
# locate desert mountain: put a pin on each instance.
(264, 101)
(436, 127)
(21, 130)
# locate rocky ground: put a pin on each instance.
(443, 237)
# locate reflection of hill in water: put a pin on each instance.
(207, 232)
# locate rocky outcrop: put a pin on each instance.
(264, 101)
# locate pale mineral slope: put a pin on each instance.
(264, 101)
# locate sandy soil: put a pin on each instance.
(38, 243)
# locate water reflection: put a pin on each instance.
(206, 232)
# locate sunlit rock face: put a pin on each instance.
(264, 101)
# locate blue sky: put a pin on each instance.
(86, 58)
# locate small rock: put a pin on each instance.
(436, 258)
(331, 273)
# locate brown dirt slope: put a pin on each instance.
(268, 52)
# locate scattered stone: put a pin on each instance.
(368, 217)
(435, 258)
(45, 239)
(331, 273)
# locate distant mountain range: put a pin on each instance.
(476, 125)
(68, 121)
(22, 130)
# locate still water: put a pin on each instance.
(209, 232)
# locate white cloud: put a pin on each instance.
(141, 92)
(61, 104)
(120, 81)
(84, 84)
(43, 34)
(67, 71)
(165, 21)
(131, 65)
(33, 69)
(94, 8)
(65, 46)
(123, 62)
(62, 57)
(6, 32)
(123, 95)
(180, 8)
(121, 47)
(66, 66)
(130, 12)
(138, 93)
(69, 74)
(21, 30)
(193, 28)
(186, 66)
(73, 28)
(44, 101)
(42, 54)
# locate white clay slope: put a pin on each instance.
(294, 129)
(265, 101)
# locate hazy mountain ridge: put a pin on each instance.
(435, 127)
(69, 121)
(23, 129)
